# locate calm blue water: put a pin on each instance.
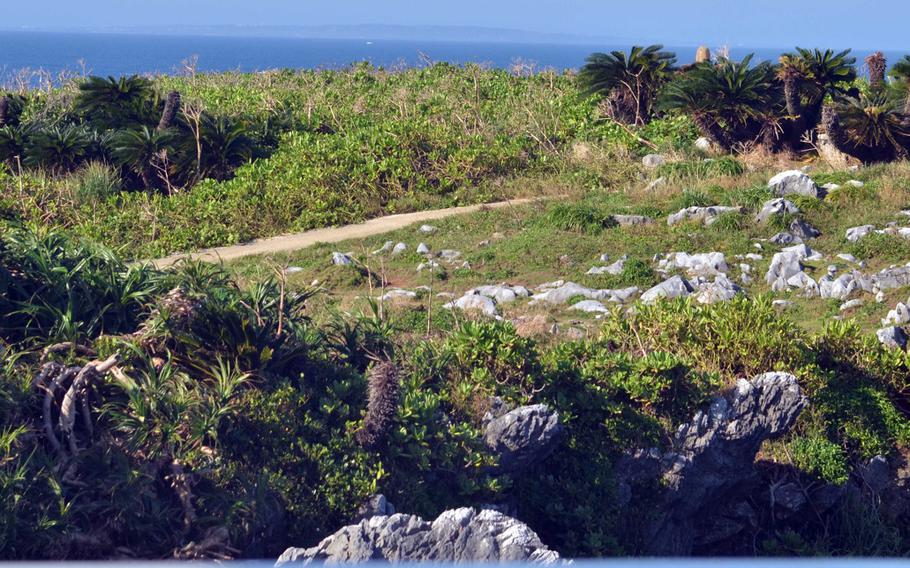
(116, 54)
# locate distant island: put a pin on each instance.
(365, 32)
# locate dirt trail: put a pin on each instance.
(297, 241)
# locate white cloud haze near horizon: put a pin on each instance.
(873, 24)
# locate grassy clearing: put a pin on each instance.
(537, 243)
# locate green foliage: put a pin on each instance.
(116, 103)
(491, 359)
(96, 182)
(710, 336)
(701, 169)
(58, 149)
(817, 455)
(884, 246)
(578, 217)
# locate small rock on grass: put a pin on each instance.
(342, 259)
(591, 307)
(653, 160)
(851, 304)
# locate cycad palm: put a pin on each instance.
(223, 146)
(141, 151)
(59, 149)
(115, 103)
(808, 77)
(870, 128)
(630, 81)
(901, 72)
(731, 101)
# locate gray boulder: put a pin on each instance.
(889, 278)
(474, 302)
(721, 290)
(793, 182)
(699, 264)
(614, 269)
(386, 247)
(591, 307)
(522, 437)
(565, 291)
(457, 535)
(900, 315)
(375, 506)
(785, 238)
(704, 145)
(400, 248)
(784, 265)
(398, 294)
(502, 293)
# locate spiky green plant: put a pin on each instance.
(870, 128)
(629, 82)
(142, 150)
(224, 145)
(901, 72)
(731, 102)
(11, 107)
(58, 149)
(110, 103)
(13, 141)
(808, 77)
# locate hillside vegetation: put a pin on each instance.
(232, 411)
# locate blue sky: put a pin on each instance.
(871, 23)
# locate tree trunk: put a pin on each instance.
(171, 107)
(791, 94)
(4, 111)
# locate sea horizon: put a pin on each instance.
(120, 53)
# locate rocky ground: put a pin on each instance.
(821, 244)
(824, 250)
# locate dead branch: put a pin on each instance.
(67, 407)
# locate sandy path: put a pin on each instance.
(297, 241)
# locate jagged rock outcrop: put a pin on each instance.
(458, 535)
(712, 462)
(522, 437)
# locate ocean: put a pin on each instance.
(125, 54)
